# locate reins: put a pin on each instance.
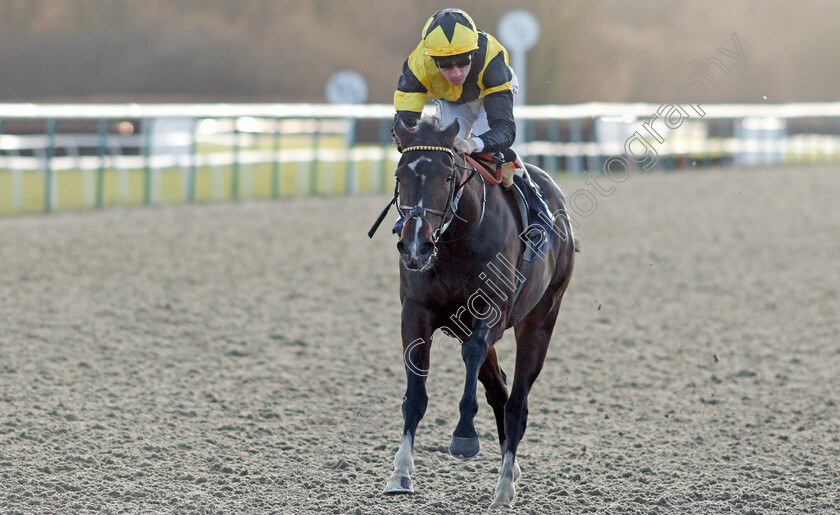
(497, 179)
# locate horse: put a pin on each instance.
(461, 247)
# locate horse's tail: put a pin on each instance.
(578, 248)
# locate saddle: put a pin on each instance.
(537, 218)
(508, 162)
(529, 197)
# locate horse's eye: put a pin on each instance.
(449, 178)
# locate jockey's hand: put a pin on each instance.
(465, 146)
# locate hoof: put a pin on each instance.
(464, 448)
(398, 485)
(504, 496)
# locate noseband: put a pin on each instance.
(455, 191)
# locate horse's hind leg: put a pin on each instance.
(493, 379)
(533, 335)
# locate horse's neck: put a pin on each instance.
(470, 205)
(470, 222)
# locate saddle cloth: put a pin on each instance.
(537, 218)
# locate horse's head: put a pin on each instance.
(427, 182)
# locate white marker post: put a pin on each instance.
(519, 31)
(347, 87)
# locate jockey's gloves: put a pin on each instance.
(468, 145)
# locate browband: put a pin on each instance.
(429, 147)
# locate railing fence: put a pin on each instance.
(56, 156)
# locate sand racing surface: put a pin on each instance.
(245, 358)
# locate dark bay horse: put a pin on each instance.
(460, 250)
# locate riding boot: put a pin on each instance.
(508, 171)
(512, 165)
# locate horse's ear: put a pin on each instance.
(451, 131)
(400, 132)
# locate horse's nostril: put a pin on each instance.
(401, 247)
(426, 248)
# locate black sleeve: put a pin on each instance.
(497, 72)
(409, 83)
(499, 108)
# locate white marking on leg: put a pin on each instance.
(508, 474)
(400, 481)
(404, 461)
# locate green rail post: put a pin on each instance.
(1, 134)
(313, 167)
(48, 171)
(100, 152)
(147, 158)
(706, 161)
(275, 167)
(576, 137)
(351, 163)
(823, 129)
(194, 154)
(234, 181)
(737, 135)
(12, 193)
(526, 129)
(384, 140)
(553, 137)
(835, 124)
(669, 162)
(728, 130)
(803, 143)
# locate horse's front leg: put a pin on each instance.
(417, 330)
(465, 442)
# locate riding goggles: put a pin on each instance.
(459, 61)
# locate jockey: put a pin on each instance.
(466, 72)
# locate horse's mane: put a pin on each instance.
(433, 122)
(427, 128)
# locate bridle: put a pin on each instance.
(450, 210)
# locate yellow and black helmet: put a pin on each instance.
(449, 32)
